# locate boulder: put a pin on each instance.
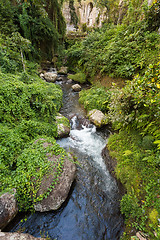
(97, 117)
(50, 76)
(63, 70)
(42, 76)
(62, 130)
(69, 81)
(61, 190)
(63, 126)
(16, 236)
(8, 208)
(76, 87)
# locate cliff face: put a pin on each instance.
(87, 14)
(91, 15)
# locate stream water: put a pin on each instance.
(92, 210)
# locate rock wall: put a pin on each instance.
(87, 13)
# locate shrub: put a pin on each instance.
(95, 98)
(137, 104)
(153, 16)
(27, 101)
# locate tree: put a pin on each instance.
(22, 45)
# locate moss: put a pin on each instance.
(78, 77)
(62, 119)
(138, 171)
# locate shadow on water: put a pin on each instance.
(92, 210)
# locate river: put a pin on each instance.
(92, 210)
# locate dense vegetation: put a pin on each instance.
(130, 50)
(28, 109)
(134, 111)
(40, 22)
(116, 50)
(30, 31)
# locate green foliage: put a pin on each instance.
(153, 16)
(78, 77)
(40, 23)
(32, 165)
(139, 172)
(9, 57)
(38, 28)
(129, 205)
(137, 104)
(117, 51)
(11, 143)
(28, 109)
(136, 10)
(95, 98)
(24, 101)
(7, 17)
(74, 18)
(134, 110)
(60, 119)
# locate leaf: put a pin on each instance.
(127, 153)
(157, 142)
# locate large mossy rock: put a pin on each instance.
(62, 187)
(16, 236)
(97, 117)
(8, 208)
(63, 126)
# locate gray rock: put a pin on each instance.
(97, 117)
(63, 70)
(69, 81)
(62, 130)
(16, 236)
(76, 87)
(60, 192)
(8, 208)
(50, 76)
